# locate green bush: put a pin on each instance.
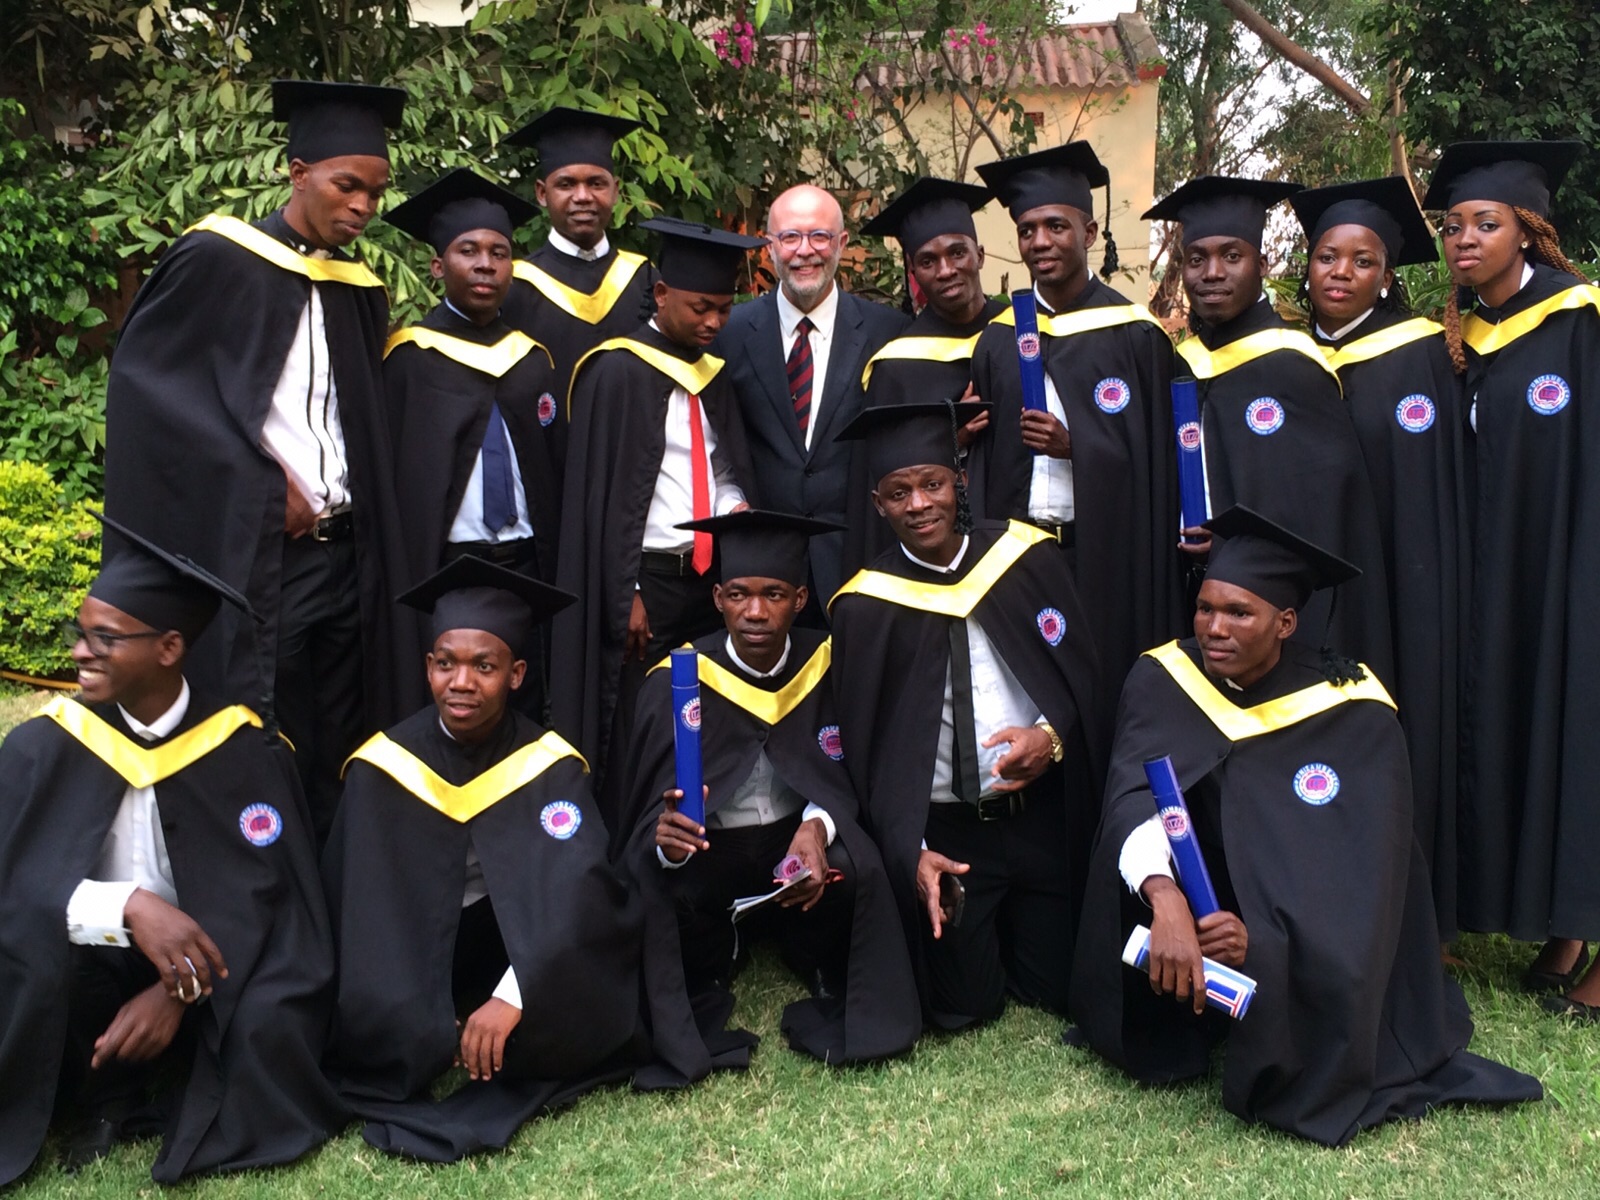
(49, 553)
(53, 413)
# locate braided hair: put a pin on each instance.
(963, 501)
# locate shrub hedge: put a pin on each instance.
(49, 553)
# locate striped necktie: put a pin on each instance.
(800, 372)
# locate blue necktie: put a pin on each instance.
(499, 487)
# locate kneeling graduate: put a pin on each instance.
(1299, 788)
(165, 960)
(776, 786)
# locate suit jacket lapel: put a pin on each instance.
(844, 371)
(766, 351)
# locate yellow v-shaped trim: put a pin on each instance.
(767, 707)
(956, 599)
(1208, 364)
(493, 360)
(1085, 320)
(589, 307)
(264, 245)
(517, 769)
(1486, 338)
(923, 349)
(1375, 345)
(146, 766)
(693, 377)
(1237, 724)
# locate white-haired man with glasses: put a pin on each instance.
(795, 357)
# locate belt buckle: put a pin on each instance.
(317, 534)
(996, 807)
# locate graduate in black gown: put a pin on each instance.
(244, 422)
(478, 919)
(1277, 435)
(472, 407)
(968, 699)
(166, 966)
(932, 358)
(776, 786)
(1298, 786)
(1405, 400)
(1099, 468)
(577, 289)
(656, 440)
(1531, 349)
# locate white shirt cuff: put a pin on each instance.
(728, 498)
(1145, 853)
(508, 990)
(668, 863)
(94, 913)
(821, 814)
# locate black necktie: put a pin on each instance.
(964, 745)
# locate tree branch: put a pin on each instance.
(1294, 53)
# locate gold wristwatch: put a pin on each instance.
(1057, 750)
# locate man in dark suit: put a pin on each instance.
(799, 384)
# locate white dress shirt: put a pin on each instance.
(998, 702)
(673, 501)
(1343, 329)
(469, 525)
(571, 248)
(1050, 495)
(1472, 413)
(134, 854)
(302, 430)
(1145, 853)
(823, 317)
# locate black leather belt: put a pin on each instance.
(1066, 534)
(499, 553)
(335, 527)
(661, 562)
(1001, 806)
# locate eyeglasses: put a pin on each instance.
(100, 642)
(790, 239)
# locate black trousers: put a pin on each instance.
(532, 698)
(1020, 920)
(318, 687)
(740, 863)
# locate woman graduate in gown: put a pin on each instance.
(1405, 400)
(1524, 329)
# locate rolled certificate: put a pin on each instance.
(686, 734)
(1174, 813)
(1025, 310)
(1191, 455)
(1227, 990)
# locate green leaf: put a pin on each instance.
(66, 344)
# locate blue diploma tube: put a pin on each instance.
(1174, 813)
(1191, 453)
(1025, 310)
(686, 734)
(1227, 990)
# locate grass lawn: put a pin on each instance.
(18, 703)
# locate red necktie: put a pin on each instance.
(799, 368)
(699, 487)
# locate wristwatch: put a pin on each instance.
(1057, 750)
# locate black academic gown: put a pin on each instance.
(1279, 439)
(930, 361)
(1115, 384)
(191, 384)
(881, 1015)
(1405, 400)
(1354, 1021)
(892, 656)
(254, 1095)
(618, 436)
(570, 306)
(1529, 801)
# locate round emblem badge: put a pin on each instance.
(560, 819)
(691, 714)
(1264, 416)
(261, 824)
(1112, 395)
(1174, 822)
(547, 409)
(1548, 395)
(828, 741)
(1052, 625)
(1189, 435)
(1028, 345)
(1415, 413)
(1316, 783)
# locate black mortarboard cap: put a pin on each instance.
(1521, 174)
(1267, 560)
(700, 258)
(458, 203)
(564, 136)
(1060, 175)
(1386, 206)
(756, 544)
(331, 120)
(472, 593)
(1222, 206)
(909, 435)
(162, 589)
(929, 208)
